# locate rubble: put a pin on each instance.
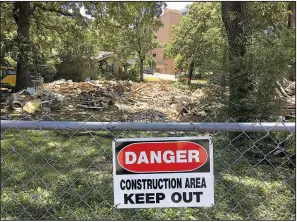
(161, 96)
(287, 92)
(92, 94)
(290, 87)
(17, 100)
(24, 101)
(151, 101)
(159, 101)
(95, 99)
(58, 82)
(16, 104)
(67, 88)
(51, 99)
(32, 106)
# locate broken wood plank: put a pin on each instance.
(137, 89)
(283, 92)
(89, 107)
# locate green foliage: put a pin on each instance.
(179, 61)
(77, 54)
(64, 44)
(52, 26)
(69, 68)
(270, 49)
(131, 27)
(48, 71)
(267, 15)
(268, 58)
(132, 73)
(150, 61)
(8, 31)
(11, 61)
(59, 33)
(199, 37)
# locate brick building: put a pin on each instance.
(164, 34)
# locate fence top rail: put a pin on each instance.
(151, 126)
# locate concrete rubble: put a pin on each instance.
(24, 101)
(54, 96)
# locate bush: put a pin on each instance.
(131, 74)
(267, 61)
(70, 68)
(47, 71)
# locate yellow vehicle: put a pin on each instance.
(7, 77)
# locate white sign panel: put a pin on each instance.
(163, 172)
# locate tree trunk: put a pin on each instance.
(234, 15)
(291, 24)
(141, 60)
(21, 14)
(191, 70)
(292, 14)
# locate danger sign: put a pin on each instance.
(163, 172)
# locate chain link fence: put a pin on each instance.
(55, 170)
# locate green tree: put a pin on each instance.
(140, 21)
(77, 55)
(241, 42)
(270, 51)
(234, 15)
(198, 40)
(33, 20)
(150, 61)
(130, 26)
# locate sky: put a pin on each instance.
(171, 5)
(177, 5)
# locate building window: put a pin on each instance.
(154, 55)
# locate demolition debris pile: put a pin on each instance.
(91, 94)
(42, 99)
(162, 97)
(54, 96)
(147, 101)
(150, 101)
(287, 92)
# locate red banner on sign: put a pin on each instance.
(149, 157)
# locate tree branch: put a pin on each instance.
(33, 9)
(53, 28)
(58, 11)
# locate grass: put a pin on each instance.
(185, 86)
(151, 78)
(199, 81)
(51, 175)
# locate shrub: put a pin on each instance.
(47, 71)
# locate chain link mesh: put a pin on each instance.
(66, 174)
